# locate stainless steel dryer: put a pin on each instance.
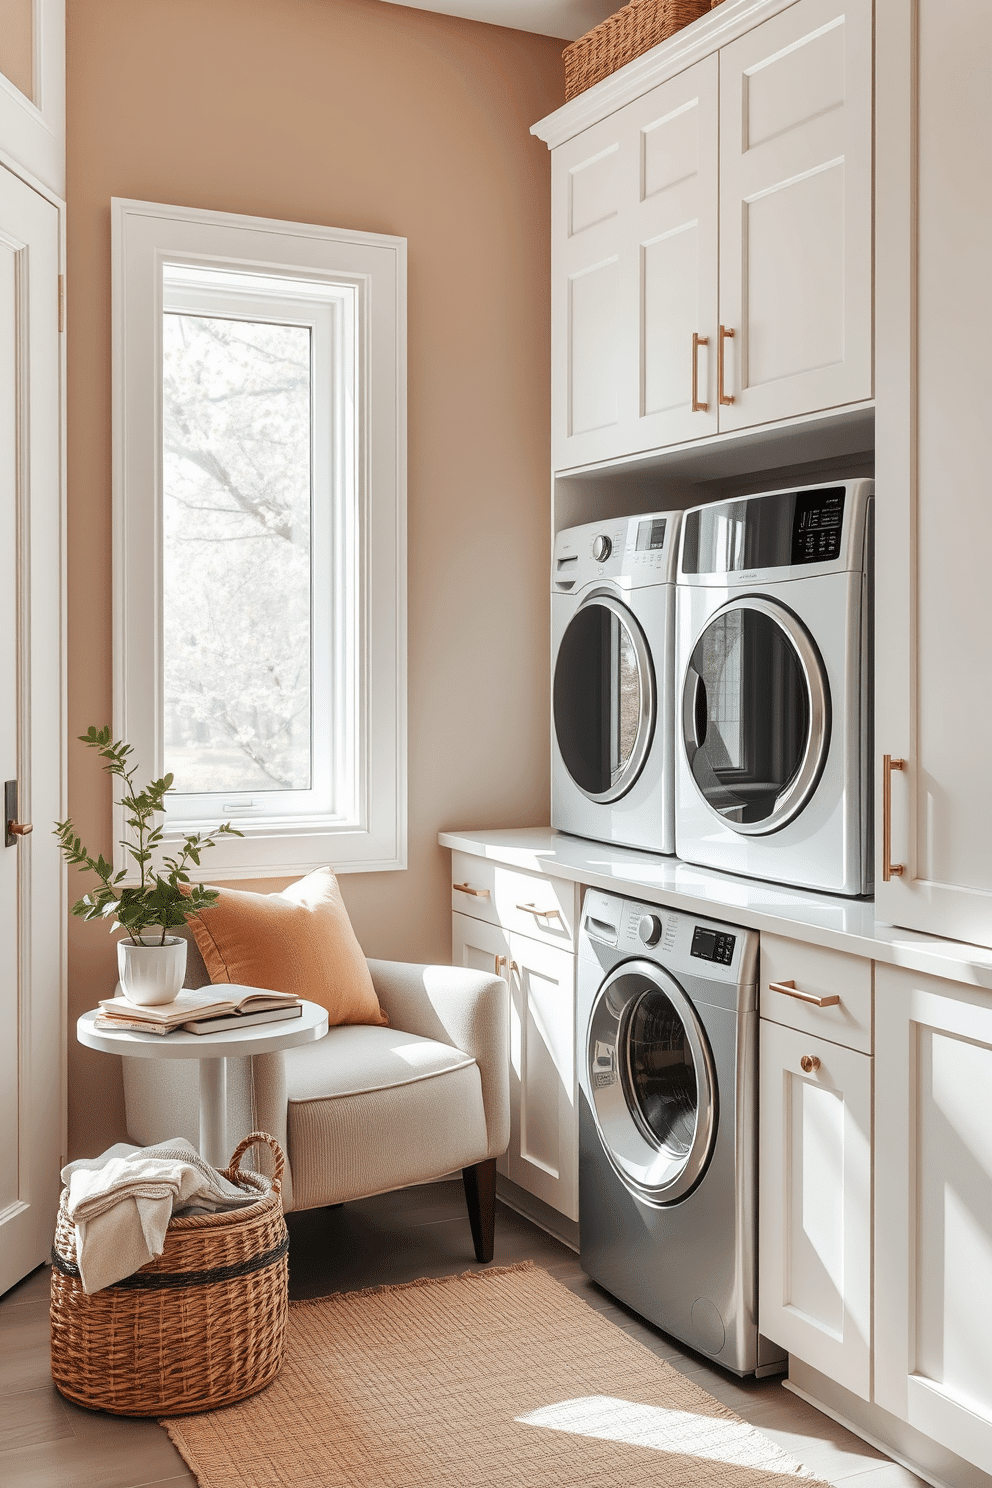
(613, 639)
(667, 1060)
(773, 687)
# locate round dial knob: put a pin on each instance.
(649, 929)
(601, 548)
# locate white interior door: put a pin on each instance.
(32, 909)
(796, 212)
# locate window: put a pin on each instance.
(259, 532)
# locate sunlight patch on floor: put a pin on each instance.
(653, 1426)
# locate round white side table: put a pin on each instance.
(213, 1051)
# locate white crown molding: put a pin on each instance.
(730, 20)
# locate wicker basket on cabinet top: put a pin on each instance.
(620, 38)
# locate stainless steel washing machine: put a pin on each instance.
(668, 1040)
(613, 643)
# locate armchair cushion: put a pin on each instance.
(299, 940)
(371, 1109)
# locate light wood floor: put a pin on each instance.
(47, 1443)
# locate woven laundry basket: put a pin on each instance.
(624, 36)
(202, 1325)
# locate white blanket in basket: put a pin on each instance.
(121, 1203)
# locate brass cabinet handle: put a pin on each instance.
(809, 1064)
(540, 914)
(697, 342)
(19, 829)
(789, 989)
(726, 334)
(500, 961)
(889, 869)
(476, 893)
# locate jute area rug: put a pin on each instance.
(501, 1378)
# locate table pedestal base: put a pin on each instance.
(213, 1112)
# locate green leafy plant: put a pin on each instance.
(157, 900)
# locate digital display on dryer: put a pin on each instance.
(816, 525)
(651, 535)
(713, 945)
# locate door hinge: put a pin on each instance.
(61, 302)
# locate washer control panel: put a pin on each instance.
(631, 552)
(678, 940)
(713, 945)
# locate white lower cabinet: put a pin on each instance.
(542, 1157)
(814, 1222)
(933, 1214)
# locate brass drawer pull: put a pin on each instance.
(476, 893)
(789, 989)
(697, 342)
(540, 914)
(726, 334)
(809, 1064)
(500, 962)
(889, 869)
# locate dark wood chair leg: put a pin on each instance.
(480, 1196)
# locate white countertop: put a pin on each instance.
(823, 919)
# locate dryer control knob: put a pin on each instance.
(601, 548)
(649, 929)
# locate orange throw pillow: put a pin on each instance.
(299, 940)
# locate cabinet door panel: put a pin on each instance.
(796, 212)
(543, 1154)
(587, 186)
(483, 947)
(815, 1204)
(934, 519)
(634, 244)
(670, 218)
(933, 1219)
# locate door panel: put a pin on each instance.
(796, 212)
(634, 209)
(814, 1243)
(933, 702)
(543, 1154)
(933, 1212)
(31, 883)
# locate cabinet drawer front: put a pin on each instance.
(543, 909)
(795, 976)
(473, 881)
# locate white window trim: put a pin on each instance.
(146, 235)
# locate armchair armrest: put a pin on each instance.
(470, 1010)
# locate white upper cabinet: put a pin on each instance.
(722, 218)
(635, 213)
(795, 213)
(934, 517)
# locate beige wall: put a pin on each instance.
(354, 114)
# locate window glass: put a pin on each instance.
(237, 491)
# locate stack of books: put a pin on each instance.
(205, 1010)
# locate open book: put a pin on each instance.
(192, 1006)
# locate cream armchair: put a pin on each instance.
(364, 1110)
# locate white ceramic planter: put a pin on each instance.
(151, 972)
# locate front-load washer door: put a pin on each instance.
(652, 1083)
(604, 698)
(755, 715)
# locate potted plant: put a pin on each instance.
(151, 962)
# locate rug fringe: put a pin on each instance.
(421, 1281)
